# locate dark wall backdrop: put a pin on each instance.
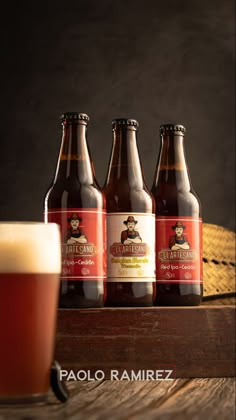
(156, 61)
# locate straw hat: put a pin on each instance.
(218, 261)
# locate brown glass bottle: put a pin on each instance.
(130, 210)
(76, 202)
(178, 224)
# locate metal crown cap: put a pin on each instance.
(125, 122)
(74, 116)
(171, 128)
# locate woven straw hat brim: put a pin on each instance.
(218, 260)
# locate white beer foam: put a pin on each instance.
(29, 248)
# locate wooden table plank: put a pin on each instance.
(182, 399)
(114, 399)
(198, 399)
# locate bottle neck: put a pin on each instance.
(125, 164)
(172, 167)
(74, 158)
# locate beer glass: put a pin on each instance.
(30, 265)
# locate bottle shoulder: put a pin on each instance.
(71, 195)
(124, 198)
(182, 203)
(170, 191)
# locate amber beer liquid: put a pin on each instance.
(29, 281)
(76, 202)
(178, 224)
(130, 223)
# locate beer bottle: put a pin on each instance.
(130, 223)
(77, 204)
(178, 224)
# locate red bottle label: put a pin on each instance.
(179, 250)
(83, 247)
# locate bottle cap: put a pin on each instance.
(125, 122)
(74, 116)
(171, 128)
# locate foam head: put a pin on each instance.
(29, 247)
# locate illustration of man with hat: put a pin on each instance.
(130, 235)
(75, 234)
(178, 241)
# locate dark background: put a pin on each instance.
(156, 61)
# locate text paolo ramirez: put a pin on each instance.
(116, 375)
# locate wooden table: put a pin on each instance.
(199, 341)
(180, 399)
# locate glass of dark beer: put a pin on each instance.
(30, 266)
